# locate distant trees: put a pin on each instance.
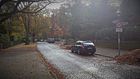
(40, 26)
(85, 20)
(93, 19)
(130, 11)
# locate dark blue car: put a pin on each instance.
(84, 47)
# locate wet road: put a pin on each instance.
(86, 67)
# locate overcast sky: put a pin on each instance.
(57, 5)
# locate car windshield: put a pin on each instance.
(78, 43)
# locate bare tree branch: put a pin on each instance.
(22, 5)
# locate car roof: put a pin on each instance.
(88, 41)
(79, 41)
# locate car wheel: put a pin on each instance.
(93, 54)
(72, 51)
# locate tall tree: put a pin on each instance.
(130, 11)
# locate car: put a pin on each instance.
(51, 40)
(41, 40)
(84, 47)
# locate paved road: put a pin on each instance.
(86, 67)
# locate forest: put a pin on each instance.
(27, 20)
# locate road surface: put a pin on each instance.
(75, 66)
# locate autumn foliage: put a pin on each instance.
(132, 58)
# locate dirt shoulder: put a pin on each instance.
(22, 62)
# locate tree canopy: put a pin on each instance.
(11, 7)
(130, 11)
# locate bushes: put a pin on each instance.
(6, 42)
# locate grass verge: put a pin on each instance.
(53, 71)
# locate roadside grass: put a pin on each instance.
(52, 70)
(30, 47)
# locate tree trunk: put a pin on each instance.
(27, 19)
